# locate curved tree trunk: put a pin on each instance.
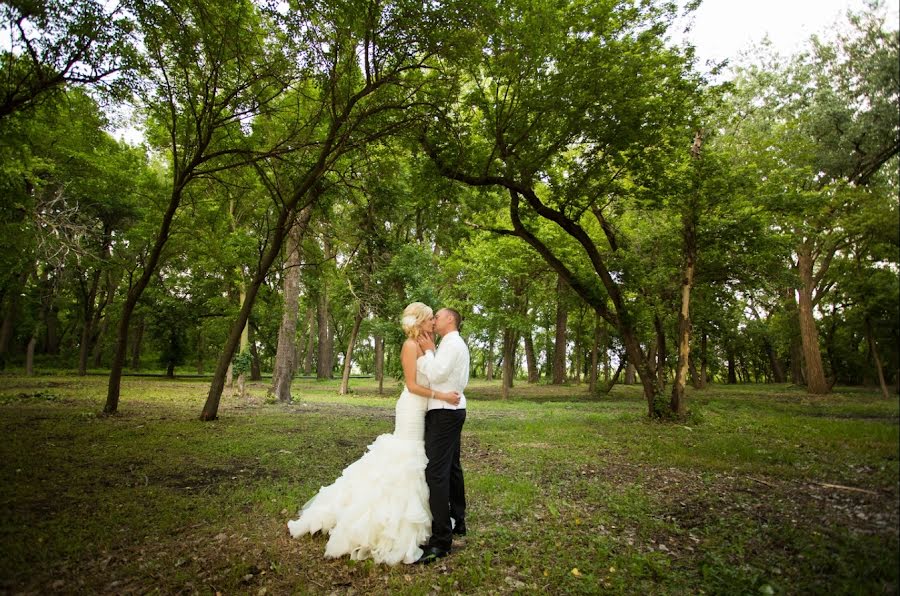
(134, 294)
(348, 360)
(873, 348)
(211, 406)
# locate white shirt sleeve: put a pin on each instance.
(439, 365)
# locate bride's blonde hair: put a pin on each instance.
(413, 316)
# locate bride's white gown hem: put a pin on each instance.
(378, 508)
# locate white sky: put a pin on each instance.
(724, 28)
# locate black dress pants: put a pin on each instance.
(444, 475)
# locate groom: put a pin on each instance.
(448, 370)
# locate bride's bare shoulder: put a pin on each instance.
(410, 345)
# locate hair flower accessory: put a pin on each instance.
(409, 321)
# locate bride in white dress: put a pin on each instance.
(378, 508)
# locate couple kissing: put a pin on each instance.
(404, 499)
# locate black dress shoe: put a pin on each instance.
(459, 529)
(432, 554)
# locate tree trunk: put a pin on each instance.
(324, 363)
(11, 315)
(310, 184)
(689, 251)
(286, 356)
(661, 372)
(774, 363)
(684, 324)
(577, 360)
(489, 360)
(534, 375)
(693, 372)
(97, 351)
(608, 384)
(797, 361)
(548, 347)
(595, 357)
(605, 344)
(619, 315)
(732, 367)
(134, 294)
(630, 374)
(379, 362)
(244, 344)
(310, 341)
(255, 365)
(136, 345)
(649, 381)
(510, 340)
(559, 347)
(873, 348)
(809, 334)
(704, 361)
(29, 354)
(348, 360)
(51, 345)
(87, 312)
(200, 351)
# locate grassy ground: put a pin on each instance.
(763, 490)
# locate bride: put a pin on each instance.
(378, 508)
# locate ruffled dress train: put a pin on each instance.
(378, 508)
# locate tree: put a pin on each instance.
(285, 359)
(561, 99)
(72, 190)
(819, 127)
(55, 44)
(209, 66)
(355, 104)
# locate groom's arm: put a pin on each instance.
(439, 365)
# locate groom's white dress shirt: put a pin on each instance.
(448, 370)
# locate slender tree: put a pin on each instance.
(208, 67)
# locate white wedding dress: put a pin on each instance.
(378, 508)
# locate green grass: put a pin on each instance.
(763, 489)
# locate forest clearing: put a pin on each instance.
(763, 489)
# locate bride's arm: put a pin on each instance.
(439, 366)
(408, 355)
